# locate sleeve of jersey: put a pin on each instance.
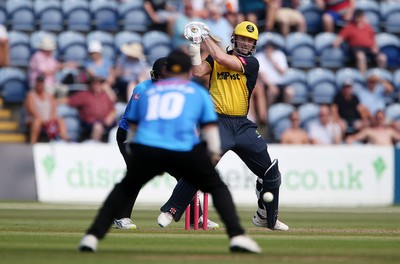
(208, 114)
(250, 64)
(132, 107)
(210, 61)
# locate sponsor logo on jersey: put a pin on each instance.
(227, 75)
(136, 97)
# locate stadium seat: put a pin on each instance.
(105, 15)
(372, 12)
(396, 79)
(352, 74)
(21, 15)
(390, 15)
(106, 39)
(133, 17)
(153, 38)
(158, 52)
(72, 47)
(393, 112)
(72, 121)
(328, 56)
(278, 118)
(297, 79)
(300, 50)
(49, 15)
(124, 37)
(13, 84)
(276, 38)
(20, 50)
(389, 44)
(3, 15)
(308, 113)
(77, 15)
(313, 16)
(322, 85)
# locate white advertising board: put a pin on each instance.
(342, 176)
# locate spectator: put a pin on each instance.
(259, 12)
(380, 133)
(4, 48)
(131, 68)
(96, 110)
(43, 63)
(273, 66)
(348, 111)
(41, 113)
(295, 134)
(218, 23)
(288, 15)
(177, 26)
(160, 12)
(373, 97)
(336, 13)
(360, 37)
(325, 130)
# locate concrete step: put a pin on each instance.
(12, 138)
(8, 126)
(5, 114)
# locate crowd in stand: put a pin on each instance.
(98, 87)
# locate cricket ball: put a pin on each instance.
(268, 197)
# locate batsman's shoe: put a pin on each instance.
(244, 244)
(88, 243)
(210, 224)
(261, 222)
(124, 223)
(164, 219)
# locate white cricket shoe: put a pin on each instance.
(279, 226)
(243, 243)
(124, 223)
(88, 243)
(210, 224)
(164, 219)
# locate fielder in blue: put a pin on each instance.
(164, 135)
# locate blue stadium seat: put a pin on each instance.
(308, 113)
(297, 79)
(13, 84)
(49, 15)
(328, 56)
(313, 16)
(396, 79)
(278, 118)
(352, 74)
(158, 52)
(390, 15)
(393, 112)
(72, 46)
(389, 44)
(154, 38)
(300, 50)
(21, 15)
(72, 121)
(37, 36)
(124, 37)
(20, 50)
(77, 15)
(106, 39)
(105, 15)
(322, 85)
(372, 12)
(133, 17)
(276, 38)
(3, 15)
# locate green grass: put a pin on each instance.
(49, 233)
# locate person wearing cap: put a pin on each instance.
(347, 110)
(41, 114)
(233, 75)
(162, 139)
(96, 110)
(101, 66)
(43, 63)
(4, 46)
(130, 69)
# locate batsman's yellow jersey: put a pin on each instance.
(231, 90)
